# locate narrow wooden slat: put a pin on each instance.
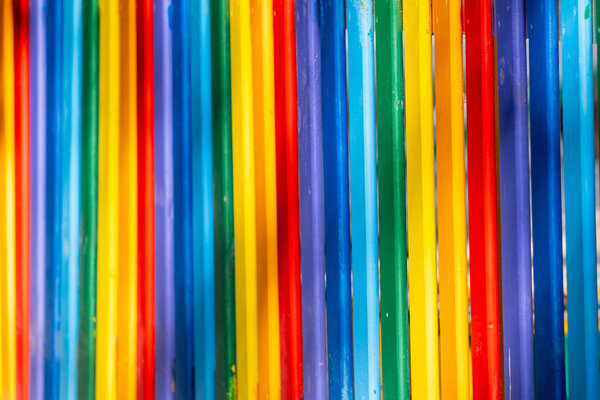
(580, 227)
(542, 29)
(128, 205)
(54, 261)
(70, 132)
(392, 200)
(336, 197)
(421, 201)
(163, 151)
(452, 226)
(182, 195)
(202, 193)
(481, 163)
(38, 197)
(513, 153)
(288, 220)
(22, 194)
(269, 376)
(312, 214)
(244, 199)
(108, 200)
(145, 217)
(7, 204)
(89, 202)
(223, 201)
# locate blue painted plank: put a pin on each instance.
(363, 197)
(337, 211)
(544, 106)
(203, 232)
(70, 207)
(580, 224)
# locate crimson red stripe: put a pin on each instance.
(288, 229)
(146, 331)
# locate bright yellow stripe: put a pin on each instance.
(7, 204)
(420, 201)
(266, 199)
(454, 325)
(244, 200)
(127, 315)
(108, 198)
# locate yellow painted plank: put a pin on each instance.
(244, 200)
(266, 198)
(454, 324)
(127, 287)
(421, 201)
(108, 201)
(7, 205)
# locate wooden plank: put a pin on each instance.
(128, 205)
(202, 193)
(223, 202)
(145, 218)
(244, 199)
(544, 122)
(7, 204)
(182, 195)
(578, 133)
(54, 211)
(336, 196)
(421, 201)
(22, 194)
(392, 200)
(163, 151)
(513, 153)
(70, 132)
(312, 214)
(108, 200)
(288, 226)
(38, 197)
(481, 161)
(269, 375)
(452, 226)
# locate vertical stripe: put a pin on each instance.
(244, 198)
(261, 18)
(89, 202)
(452, 226)
(128, 202)
(163, 151)
(7, 204)
(392, 200)
(580, 227)
(70, 183)
(108, 200)
(54, 99)
(182, 190)
(288, 220)
(481, 162)
(363, 197)
(223, 202)
(310, 179)
(204, 286)
(145, 189)
(22, 194)
(549, 340)
(513, 152)
(421, 202)
(337, 210)
(38, 197)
